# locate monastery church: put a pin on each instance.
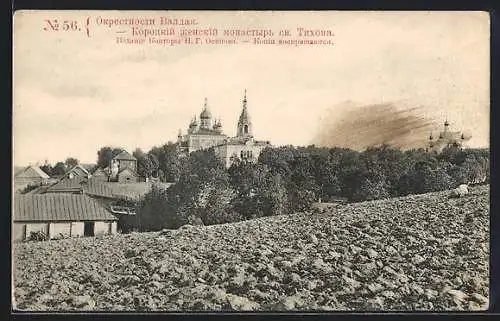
(445, 139)
(204, 135)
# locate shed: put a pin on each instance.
(127, 174)
(60, 215)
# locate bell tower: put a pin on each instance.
(244, 129)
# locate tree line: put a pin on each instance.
(289, 179)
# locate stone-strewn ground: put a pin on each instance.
(424, 252)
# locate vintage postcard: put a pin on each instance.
(250, 161)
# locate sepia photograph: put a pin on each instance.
(250, 161)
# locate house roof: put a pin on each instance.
(127, 169)
(133, 190)
(31, 172)
(79, 170)
(88, 167)
(67, 185)
(59, 207)
(96, 188)
(99, 172)
(124, 155)
(90, 187)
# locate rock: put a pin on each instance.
(387, 294)
(83, 301)
(258, 294)
(417, 259)
(131, 253)
(290, 303)
(286, 265)
(375, 287)
(460, 191)
(156, 284)
(371, 253)
(239, 303)
(351, 282)
(313, 239)
(402, 278)
(457, 295)
(479, 298)
(354, 249)
(390, 249)
(167, 232)
(389, 270)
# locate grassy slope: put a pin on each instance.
(422, 252)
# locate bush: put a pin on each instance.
(38, 236)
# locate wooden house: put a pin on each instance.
(60, 215)
(30, 175)
(126, 175)
(100, 174)
(78, 172)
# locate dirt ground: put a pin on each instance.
(423, 252)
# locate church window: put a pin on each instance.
(246, 129)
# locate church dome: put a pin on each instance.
(205, 114)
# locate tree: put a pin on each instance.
(59, 169)
(106, 154)
(47, 169)
(144, 164)
(168, 161)
(71, 162)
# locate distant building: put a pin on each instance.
(445, 139)
(203, 136)
(100, 174)
(77, 172)
(123, 168)
(60, 215)
(30, 175)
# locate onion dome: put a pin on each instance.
(205, 114)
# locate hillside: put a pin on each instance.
(423, 252)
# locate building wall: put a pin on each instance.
(76, 229)
(114, 227)
(36, 227)
(101, 228)
(59, 230)
(225, 152)
(127, 163)
(22, 182)
(197, 142)
(18, 232)
(67, 229)
(126, 176)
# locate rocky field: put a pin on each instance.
(424, 252)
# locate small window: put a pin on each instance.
(245, 129)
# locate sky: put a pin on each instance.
(74, 94)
